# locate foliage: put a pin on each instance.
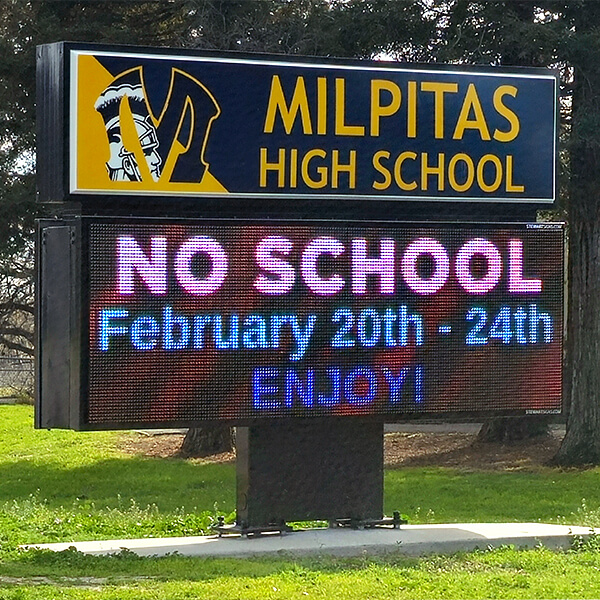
(348, 28)
(16, 310)
(23, 25)
(565, 35)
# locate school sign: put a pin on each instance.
(303, 248)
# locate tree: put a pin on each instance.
(565, 35)
(344, 28)
(206, 441)
(16, 310)
(23, 25)
(581, 48)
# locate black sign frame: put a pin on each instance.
(55, 153)
(75, 375)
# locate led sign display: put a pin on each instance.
(171, 123)
(196, 321)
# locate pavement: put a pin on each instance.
(410, 427)
(470, 428)
(412, 540)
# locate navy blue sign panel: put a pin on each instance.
(169, 123)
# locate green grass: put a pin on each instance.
(436, 495)
(502, 573)
(65, 486)
(62, 467)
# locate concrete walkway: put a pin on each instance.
(409, 539)
(557, 429)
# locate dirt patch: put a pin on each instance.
(91, 583)
(164, 445)
(417, 449)
(463, 451)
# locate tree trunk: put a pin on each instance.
(513, 429)
(581, 444)
(205, 441)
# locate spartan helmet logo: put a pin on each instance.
(122, 164)
(185, 118)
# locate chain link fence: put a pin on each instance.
(16, 377)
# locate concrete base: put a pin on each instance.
(411, 540)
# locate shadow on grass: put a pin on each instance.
(431, 494)
(168, 483)
(450, 495)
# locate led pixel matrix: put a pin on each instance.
(196, 321)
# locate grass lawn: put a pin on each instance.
(63, 486)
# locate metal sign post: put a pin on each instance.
(309, 471)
